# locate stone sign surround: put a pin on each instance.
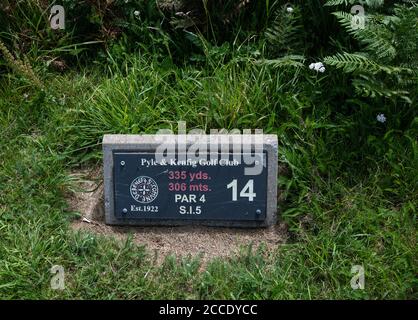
(144, 185)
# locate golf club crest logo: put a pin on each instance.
(144, 189)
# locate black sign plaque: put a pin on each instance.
(177, 189)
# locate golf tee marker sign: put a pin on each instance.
(218, 180)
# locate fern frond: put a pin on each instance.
(372, 88)
(285, 32)
(355, 62)
(377, 39)
(387, 67)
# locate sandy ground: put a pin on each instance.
(209, 242)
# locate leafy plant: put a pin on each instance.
(389, 51)
(21, 67)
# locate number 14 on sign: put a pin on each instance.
(246, 192)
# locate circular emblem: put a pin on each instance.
(144, 189)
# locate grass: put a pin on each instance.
(348, 200)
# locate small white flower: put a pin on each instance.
(381, 118)
(289, 9)
(317, 66)
(26, 96)
(136, 13)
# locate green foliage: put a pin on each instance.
(371, 3)
(285, 33)
(23, 68)
(286, 61)
(347, 182)
(121, 27)
(352, 62)
(389, 46)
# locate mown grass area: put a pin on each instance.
(348, 147)
(342, 206)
